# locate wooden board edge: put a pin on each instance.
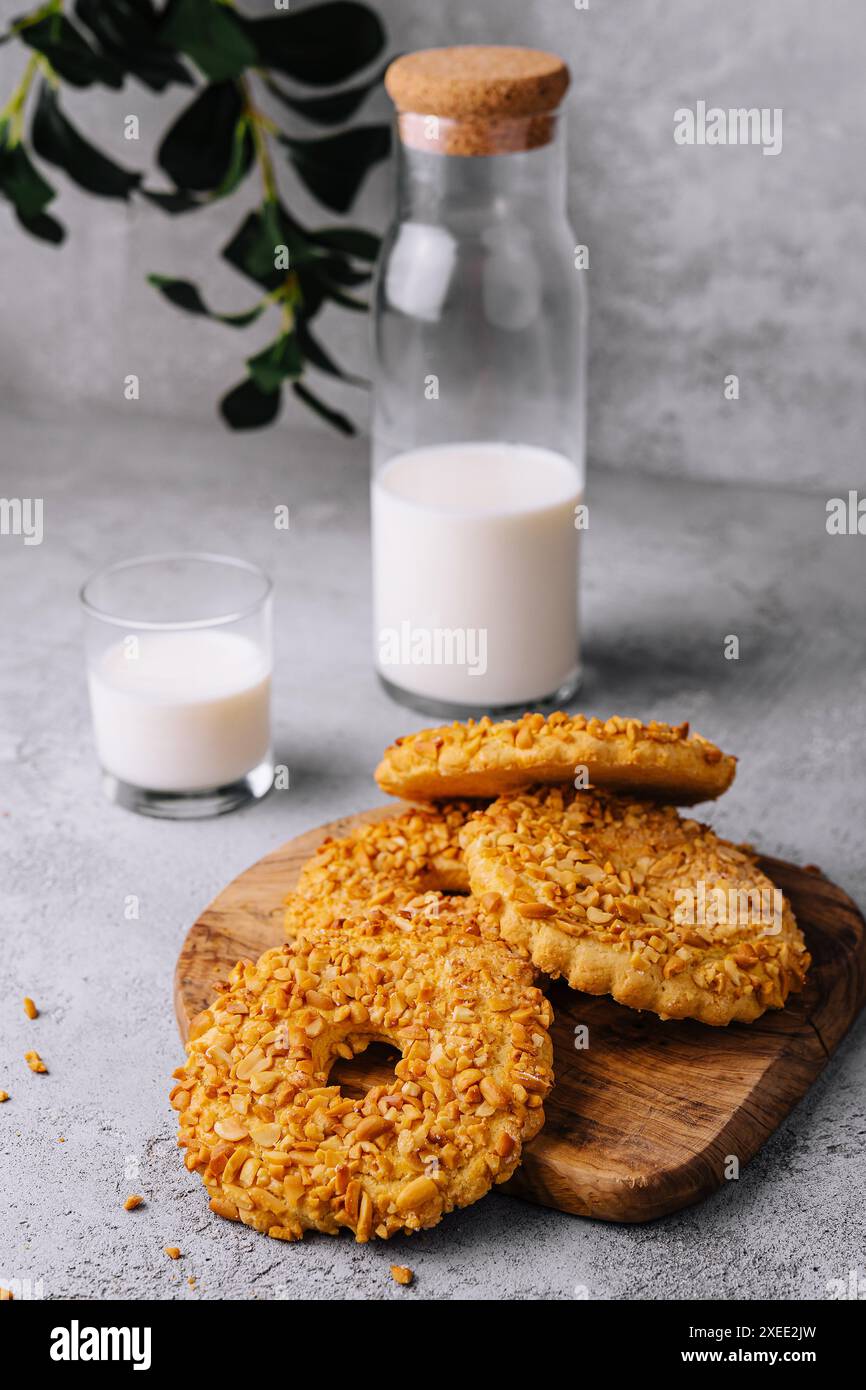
(544, 1181)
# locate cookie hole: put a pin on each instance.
(372, 1067)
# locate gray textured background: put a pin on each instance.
(791, 708)
(702, 261)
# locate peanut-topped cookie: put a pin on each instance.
(386, 863)
(484, 759)
(631, 899)
(278, 1145)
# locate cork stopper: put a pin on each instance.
(476, 100)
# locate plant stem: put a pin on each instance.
(13, 111)
(51, 7)
(259, 126)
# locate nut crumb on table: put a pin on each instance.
(133, 1200)
(6, 1296)
(30, 1008)
(35, 1062)
(402, 1274)
(173, 1252)
(4, 1095)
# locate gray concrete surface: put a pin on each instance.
(671, 569)
(703, 261)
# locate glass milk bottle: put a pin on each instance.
(478, 423)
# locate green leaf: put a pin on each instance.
(334, 167)
(58, 142)
(212, 35)
(316, 354)
(69, 53)
(333, 109)
(278, 362)
(243, 154)
(319, 46)
(364, 246)
(246, 407)
(252, 249)
(126, 30)
(312, 293)
(358, 306)
(22, 184)
(336, 270)
(333, 417)
(184, 295)
(197, 151)
(43, 226)
(331, 284)
(26, 189)
(175, 201)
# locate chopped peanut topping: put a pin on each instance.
(402, 1274)
(283, 1150)
(173, 1252)
(388, 863)
(35, 1062)
(486, 759)
(631, 898)
(133, 1201)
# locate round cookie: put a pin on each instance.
(631, 899)
(385, 863)
(484, 759)
(282, 1150)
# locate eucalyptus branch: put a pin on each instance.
(42, 12)
(221, 55)
(260, 132)
(13, 111)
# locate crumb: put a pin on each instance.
(30, 1008)
(6, 1296)
(133, 1201)
(35, 1062)
(402, 1274)
(4, 1095)
(173, 1252)
(191, 1281)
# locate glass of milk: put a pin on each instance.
(179, 673)
(479, 400)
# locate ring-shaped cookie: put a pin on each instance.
(631, 899)
(387, 863)
(282, 1150)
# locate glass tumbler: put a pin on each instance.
(478, 414)
(179, 661)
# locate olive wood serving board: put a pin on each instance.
(642, 1121)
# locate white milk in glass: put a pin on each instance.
(475, 553)
(182, 711)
